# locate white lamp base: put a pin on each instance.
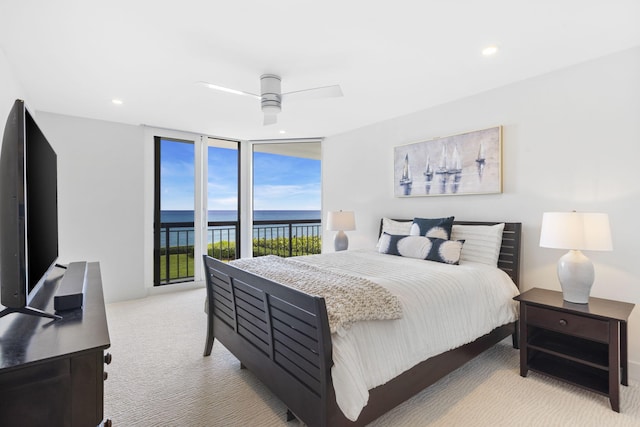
(576, 274)
(340, 241)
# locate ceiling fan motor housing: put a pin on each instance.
(270, 92)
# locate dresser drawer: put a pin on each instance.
(580, 326)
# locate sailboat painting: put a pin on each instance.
(467, 163)
(405, 179)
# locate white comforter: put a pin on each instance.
(444, 306)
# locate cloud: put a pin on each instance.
(223, 203)
(176, 168)
(279, 191)
(287, 197)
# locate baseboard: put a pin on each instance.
(176, 287)
(634, 371)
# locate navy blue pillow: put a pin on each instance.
(420, 247)
(432, 227)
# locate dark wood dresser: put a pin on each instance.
(52, 372)
(582, 344)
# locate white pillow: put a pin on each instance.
(399, 228)
(481, 242)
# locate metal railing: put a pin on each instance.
(176, 252)
(284, 238)
(221, 240)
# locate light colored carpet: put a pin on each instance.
(159, 377)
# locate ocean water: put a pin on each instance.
(187, 216)
(184, 236)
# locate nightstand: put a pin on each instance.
(582, 344)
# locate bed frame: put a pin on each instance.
(282, 336)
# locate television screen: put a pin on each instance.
(42, 204)
(28, 210)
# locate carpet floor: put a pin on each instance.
(159, 377)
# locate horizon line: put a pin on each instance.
(235, 210)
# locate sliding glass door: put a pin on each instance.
(174, 234)
(195, 206)
(223, 183)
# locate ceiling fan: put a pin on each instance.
(271, 95)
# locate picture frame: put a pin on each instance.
(467, 163)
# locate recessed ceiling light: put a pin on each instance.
(283, 131)
(490, 50)
(117, 101)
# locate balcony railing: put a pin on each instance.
(284, 238)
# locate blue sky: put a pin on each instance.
(280, 182)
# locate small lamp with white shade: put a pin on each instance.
(341, 221)
(576, 231)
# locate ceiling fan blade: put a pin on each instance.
(271, 98)
(229, 90)
(270, 119)
(333, 91)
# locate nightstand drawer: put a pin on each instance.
(580, 326)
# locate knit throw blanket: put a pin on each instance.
(348, 298)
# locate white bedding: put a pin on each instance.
(444, 306)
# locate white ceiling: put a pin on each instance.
(390, 58)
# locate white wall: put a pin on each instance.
(10, 90)
(571, 140)
(100, 198)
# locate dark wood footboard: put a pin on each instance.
(282, 336)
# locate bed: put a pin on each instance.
(282, 336)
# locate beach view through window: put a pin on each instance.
(286, 201)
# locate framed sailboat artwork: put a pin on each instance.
(468, 163)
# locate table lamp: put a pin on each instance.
(341, 221)
(576, 231)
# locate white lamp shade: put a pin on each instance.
(341, 221)
(576, 230)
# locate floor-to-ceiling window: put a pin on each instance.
(174, 235)
(286, 198)
(196, 205)
(223, 221)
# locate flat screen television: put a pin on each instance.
(28, 212)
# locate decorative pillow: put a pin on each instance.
(429, 248)
(432, 227)
(482, 242)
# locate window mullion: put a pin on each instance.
(200, 206)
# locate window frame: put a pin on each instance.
(201, 146)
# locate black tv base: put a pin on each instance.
(29, 310)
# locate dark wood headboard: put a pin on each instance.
(509, 258)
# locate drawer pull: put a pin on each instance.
(562, 322)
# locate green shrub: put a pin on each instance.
(223, 250)
(181, 263)
(306, 245)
